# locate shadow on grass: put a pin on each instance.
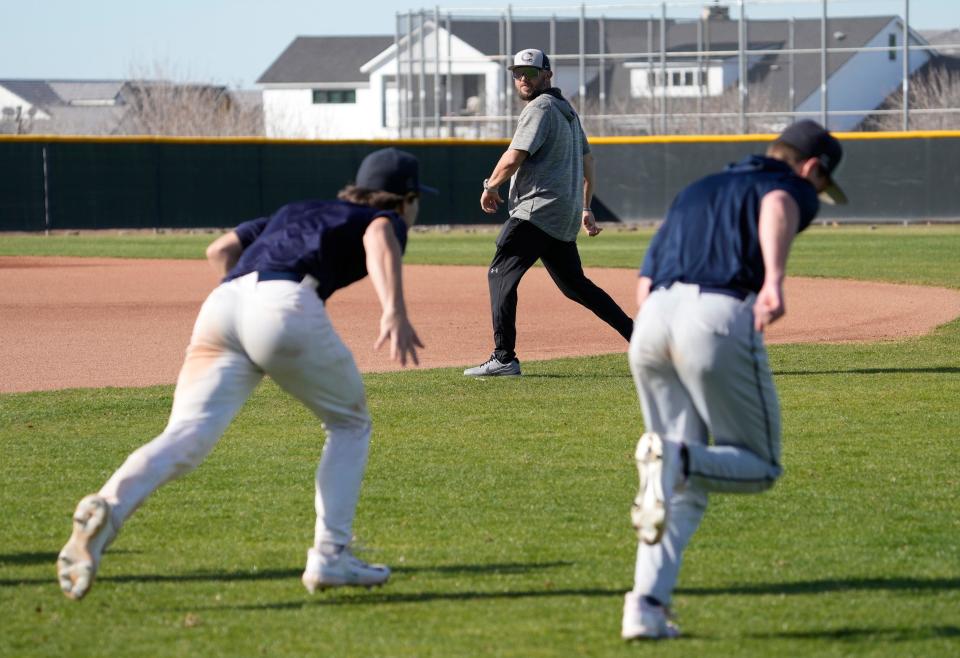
(27, 558)
(858, 634)
(43, 557)
(360, 597)
(572, 375)
(284, 574)
(830, 586)
(933, 370)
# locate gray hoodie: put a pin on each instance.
(548, 187)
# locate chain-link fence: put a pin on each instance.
(745, 66)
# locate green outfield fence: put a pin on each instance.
(74, 183)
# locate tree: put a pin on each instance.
(159, 104)
(162, 107)
(936, 86)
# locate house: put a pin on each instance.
(447, 77)
(315, 88)
(58, 107)
(121, 107)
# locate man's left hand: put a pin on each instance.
(590, 223)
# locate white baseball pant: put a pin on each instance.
(247, 328)
(701, 372)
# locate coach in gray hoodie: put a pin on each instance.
(550, 169)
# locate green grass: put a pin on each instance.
(502, 506)
(918, 254)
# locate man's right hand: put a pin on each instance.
(769, 306)
(490, 200)
(396, 330)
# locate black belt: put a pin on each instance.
(279, 276)
(736, 293)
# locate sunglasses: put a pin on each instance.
(528, 72)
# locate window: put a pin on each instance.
(892, 42)
(688, 78)
(321, 96)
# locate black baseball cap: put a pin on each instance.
(814, 141)
(531, 57)
(391, 170)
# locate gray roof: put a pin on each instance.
(338, 59)
(60, 93)
(73, 91)
(35, 92)
(761, 35)
(643, 35)
(325, 59)
(941, 37)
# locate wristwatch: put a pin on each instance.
(486, 185)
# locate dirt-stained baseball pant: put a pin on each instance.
(701, 372)
(247, 328)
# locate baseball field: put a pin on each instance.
(502, 504)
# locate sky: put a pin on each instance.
(232, 42)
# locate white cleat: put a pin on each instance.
(657, 463)
(93, 530)
(337, 566)
(645, 621)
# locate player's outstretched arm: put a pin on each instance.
(384, 262)
(224, 252)
(779, 220)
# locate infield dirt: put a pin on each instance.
(94, 322)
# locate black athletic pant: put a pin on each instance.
(519, 245)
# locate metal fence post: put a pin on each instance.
(422, 80)
(663, 68)
(791, 63)
(742, 67)
(507, 75)
(398, 78)
(906, 65)
(449, 90)
(436, 71)
(581, 62)
(824, 107)
(602, 74)
(408, 96)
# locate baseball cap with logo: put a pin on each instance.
(814, 141)
(531, 57)
(391, 170)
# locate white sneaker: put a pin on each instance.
(93, 530)
(494, 368)
(336, 566)
(641, 620)
(658, 464)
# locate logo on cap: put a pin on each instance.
(527, 56)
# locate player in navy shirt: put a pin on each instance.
(711, 281)
(719, 213)
(267, 317)
(328, 243)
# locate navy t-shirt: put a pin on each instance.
(711, 237)
(321, 238)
